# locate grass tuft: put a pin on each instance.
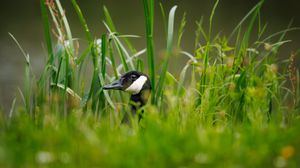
(234, 102)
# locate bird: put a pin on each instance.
(138, 85)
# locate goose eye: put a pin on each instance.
(133, 77)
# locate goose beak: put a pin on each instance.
(116, 85)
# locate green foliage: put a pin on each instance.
(229, 106)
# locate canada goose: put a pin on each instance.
(138, 85)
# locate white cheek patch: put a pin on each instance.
(137, 85)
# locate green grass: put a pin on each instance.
(78, 142)
(235, 103)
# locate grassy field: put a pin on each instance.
(233, 104)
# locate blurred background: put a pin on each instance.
(23, 20)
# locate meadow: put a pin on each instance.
(234, 102)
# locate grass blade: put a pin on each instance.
(103, 55)
(149, 18)
(12, 109)
(82, 21)
(257, 6)
(66, 26)
(211, 18)
(111, 25)
(68, 90)
(120, 48)
(27, 92)
(47, 33)
(169, 51)
(95, 80)
(163, 13)
(181, 29)
(171, 29)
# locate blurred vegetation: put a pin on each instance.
(230, 105)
